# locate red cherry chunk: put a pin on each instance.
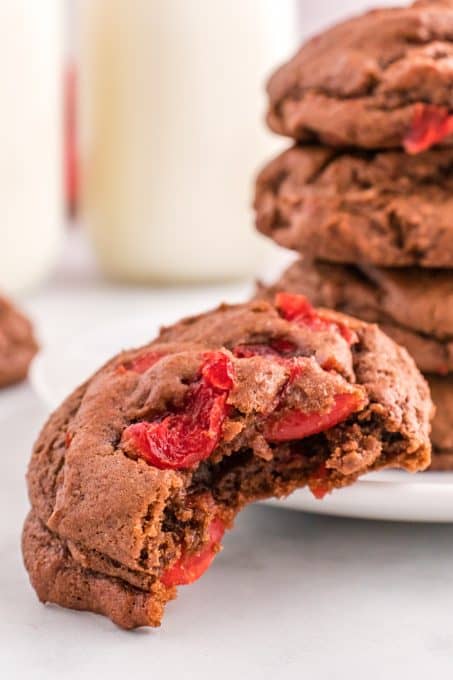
(317, 484)
(183, 439)
(319, 490)
(217, 371)
(190, 567)
(142, 362)
(290, 425)
(297, 308)
(430, 125)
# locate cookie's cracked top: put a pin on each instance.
(134, 479)
(17, 344)
(379, 80)
(388, 208)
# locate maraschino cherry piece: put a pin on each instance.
(142, 362)
(317, 484)
(183, 439)
(430, 125)
(190, 567)
(291, 425)
(298, 309)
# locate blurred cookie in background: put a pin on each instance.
(17, 344)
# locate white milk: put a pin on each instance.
(30, 140)
(172, 132)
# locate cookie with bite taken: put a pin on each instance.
(135, 478)
(379, 80)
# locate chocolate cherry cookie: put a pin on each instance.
(413, 306)
(135, 478)
(386, 208)
(383, 79)
(17, 344)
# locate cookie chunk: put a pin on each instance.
(442, 432)
(17, 344)
(413, 306)
(135, 478)
(388, 209)
(383, 79)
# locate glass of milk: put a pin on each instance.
(172, 132)
(30, 140)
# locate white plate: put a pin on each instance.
(389, 495)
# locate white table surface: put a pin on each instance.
(291, 595)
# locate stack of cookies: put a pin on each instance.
(366, 194)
